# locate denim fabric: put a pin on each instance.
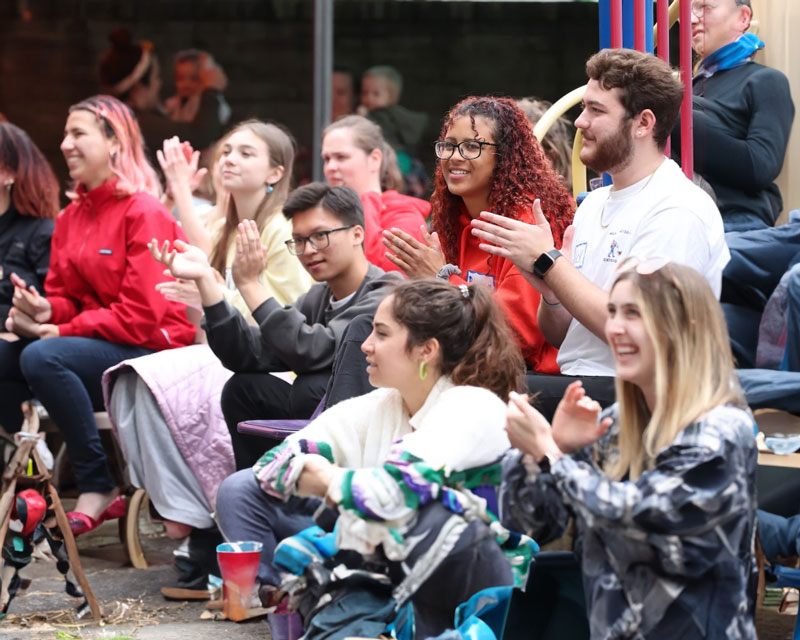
(779, 536)
(769, 389)
(64, 374)
(792, 361)
(245, 512)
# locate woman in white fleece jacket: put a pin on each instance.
(443, 360)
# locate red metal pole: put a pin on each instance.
(662, 20)
(639, 42)
(687, 138)
(616, 24)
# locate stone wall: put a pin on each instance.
(444, 50)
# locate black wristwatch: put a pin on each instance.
(544, 262)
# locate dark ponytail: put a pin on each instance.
(477, 347)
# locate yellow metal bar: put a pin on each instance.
(559, 108)
(578, 170)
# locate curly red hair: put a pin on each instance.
(521, 174)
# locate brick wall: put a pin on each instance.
(444, 51)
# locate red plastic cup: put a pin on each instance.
(238, 563)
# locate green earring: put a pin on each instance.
(423, 370)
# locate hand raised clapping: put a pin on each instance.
(576, 421)
(527, 429)
(184, 261)
(251, 256)
(415, 258)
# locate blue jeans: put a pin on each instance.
(779, 536)
(771, 389)
(793, 320)
(65, 375)
(245, 512)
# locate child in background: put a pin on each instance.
(402, 128)
(199, 83)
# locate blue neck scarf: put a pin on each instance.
(732, 55)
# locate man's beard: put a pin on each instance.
(612, 153)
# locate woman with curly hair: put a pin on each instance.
(488, 161)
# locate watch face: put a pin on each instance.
(542, 264)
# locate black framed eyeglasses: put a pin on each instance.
(469, 149)
(319, 240)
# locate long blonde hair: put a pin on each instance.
(694, 370)
(281, 148)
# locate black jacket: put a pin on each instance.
(742, 119)
(24, 250)
(300, 337)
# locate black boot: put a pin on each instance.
(193, 569)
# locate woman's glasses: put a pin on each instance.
(469, 149)
(319, 240)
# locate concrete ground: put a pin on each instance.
(132, 604)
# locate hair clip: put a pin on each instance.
(464, 290)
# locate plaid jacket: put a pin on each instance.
(669, 555)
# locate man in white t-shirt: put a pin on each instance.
(651, 210)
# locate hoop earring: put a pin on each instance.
(423, 370)
(270, 188)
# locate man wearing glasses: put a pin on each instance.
(742, 113)
(303, 337)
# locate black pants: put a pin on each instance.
(261, 396)
(550, 389)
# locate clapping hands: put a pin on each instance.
(251, 256)
(416, 259)
(183, 261)
(576, 422)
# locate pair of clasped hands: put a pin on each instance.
(29, 315)
(512, 239)
(188, 264)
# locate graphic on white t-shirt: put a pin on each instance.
(579, 254)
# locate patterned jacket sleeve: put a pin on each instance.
(692, 503)
(530, 501)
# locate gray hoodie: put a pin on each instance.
(300, 337)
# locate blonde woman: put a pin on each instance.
(167, 411)
(255, 173)
(662, 485)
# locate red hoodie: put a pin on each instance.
(384, 211)
(102, 277)
(516, 296)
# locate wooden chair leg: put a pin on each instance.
(72, 551)
(129, 528)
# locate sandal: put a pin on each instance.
(81, 523)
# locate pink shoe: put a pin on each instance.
(80, 523)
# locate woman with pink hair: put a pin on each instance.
(99, 304)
